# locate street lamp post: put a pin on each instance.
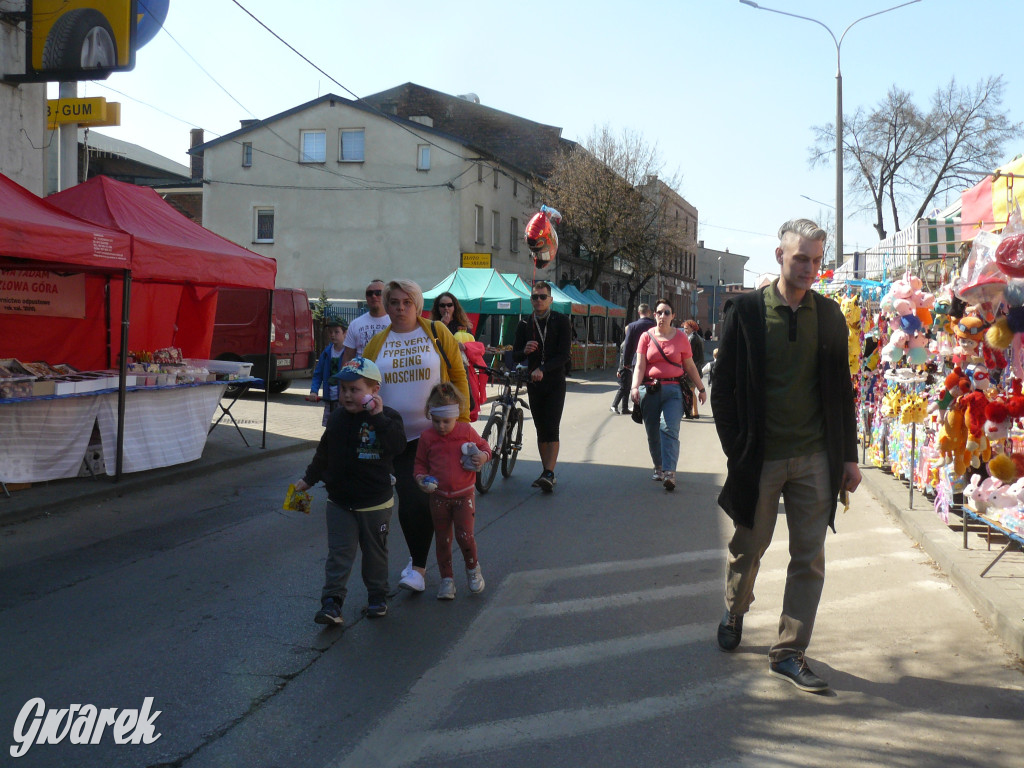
(714, 301)
(839, 107)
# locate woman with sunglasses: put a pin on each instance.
(449, 312)
(663, 358)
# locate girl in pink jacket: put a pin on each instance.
(449, 455)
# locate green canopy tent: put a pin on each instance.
(481, 292)
(560, 302)
(613, 310)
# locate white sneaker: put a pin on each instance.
(407, 569)
(476, 579)
(447, 590)
(413, 581)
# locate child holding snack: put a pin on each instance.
(354, 459)
(447, 459)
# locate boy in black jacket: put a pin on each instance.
(354, 459)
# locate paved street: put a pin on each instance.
(592, 645)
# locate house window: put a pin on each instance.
(515, 188)
(480, 224)
(480, 173)
(264, 229)
(353, 145)
(513, 235)
(495, 230)
(313, 146)
(423, 157)
(496, 178)
(247, 154)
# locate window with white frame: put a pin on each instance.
(352, 145)
(479, 224)
(513, 235)
(495, 230)
(263, 230)
(423, 157)
(313, 146)
(247, 154)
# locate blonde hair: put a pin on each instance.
(411, 288)
(444, 393)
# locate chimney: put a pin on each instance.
(196, 161)
(247, 122)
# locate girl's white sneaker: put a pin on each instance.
(447, 590)
(476, 579)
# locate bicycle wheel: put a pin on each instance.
(493, 433)
(513, 442)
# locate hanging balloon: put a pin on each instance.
(541, 237)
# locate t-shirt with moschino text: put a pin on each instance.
(409, 367)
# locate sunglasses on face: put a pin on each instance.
(539, 297)
(377, 292)
(446, 306)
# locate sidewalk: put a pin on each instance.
(294, 425)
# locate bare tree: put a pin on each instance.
(604, 190)
(900, 158)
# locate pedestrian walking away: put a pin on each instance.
(783, 407)
(544, 341)
(414, 354)
(693, 335)
(368, 324)
(663, 359)
(449, 455)
(355, 460)
(634, 330)
(324, 387)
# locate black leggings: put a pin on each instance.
(546, 403)
(413, 507)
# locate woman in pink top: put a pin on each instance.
(663, 357)
(449, 455)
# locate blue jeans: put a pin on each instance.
(662, 411)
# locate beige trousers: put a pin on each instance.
(803, 484)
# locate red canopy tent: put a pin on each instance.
(134, 235)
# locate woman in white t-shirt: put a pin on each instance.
(413, 354)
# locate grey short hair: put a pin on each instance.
(411, 288)
(802, 228)
(643, 308)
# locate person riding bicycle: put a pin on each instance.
(544, 341)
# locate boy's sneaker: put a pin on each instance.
(476, 579)
(546, 481)
(447, 589)
(376, 610)
(795, 670)
(412, 580)
(330, 613)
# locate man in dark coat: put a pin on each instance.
(634, 331)
(783, 407)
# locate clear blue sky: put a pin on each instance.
(728, 94)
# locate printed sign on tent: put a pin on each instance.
(41, 292)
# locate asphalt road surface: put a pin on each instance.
(593, 644)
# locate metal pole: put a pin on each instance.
(913, 445)
(126, 295)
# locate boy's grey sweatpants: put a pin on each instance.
(347, 532)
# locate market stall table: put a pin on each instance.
(46, 438)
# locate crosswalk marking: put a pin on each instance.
(407, 734)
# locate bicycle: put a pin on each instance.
(504, 429)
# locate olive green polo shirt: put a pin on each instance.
(794, 420)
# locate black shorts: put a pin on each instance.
(547, 399)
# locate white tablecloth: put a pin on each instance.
(47, 439)
(162, 427)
